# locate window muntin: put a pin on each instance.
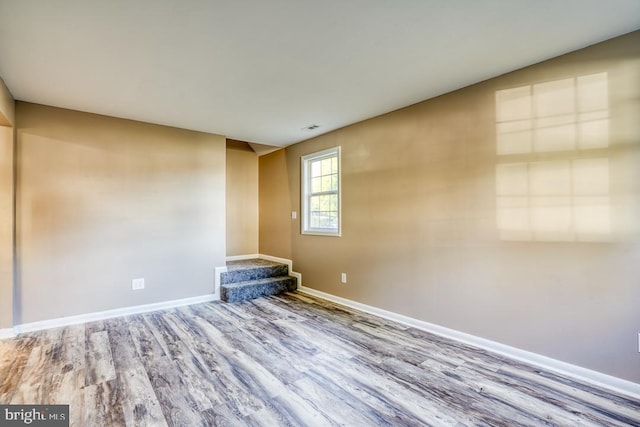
(321, 192)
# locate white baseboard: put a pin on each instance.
(297, 276)
(216, 286)
(241, 257)
(288, 262)
(597, 378)
(7, 333)
(109, 314)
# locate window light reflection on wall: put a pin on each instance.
(562, 195)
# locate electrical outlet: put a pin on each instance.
(294, 214)
(343, 277)
(137, 284)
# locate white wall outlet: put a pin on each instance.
(137, 284)
(343, 277)
(294, 214)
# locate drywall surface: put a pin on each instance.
(7, 106)
(101, 201)
(276, 225)
(507, 210)
(242, 199)
(6, 227)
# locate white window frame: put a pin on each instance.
(305, 185)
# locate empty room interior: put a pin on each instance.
(299, 213)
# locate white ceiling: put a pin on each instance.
(261, 71)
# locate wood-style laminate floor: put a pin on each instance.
(287, 360)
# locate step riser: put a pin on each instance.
(235, 294)
(245, 275)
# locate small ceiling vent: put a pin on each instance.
(311, 127)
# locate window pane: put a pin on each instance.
(315, 169)
(315, 220)
(326, 166)
(332, 219)
(328, 220)
(324, 203)
(326, 183)
(316, 185)
(334, 165)
(331, 203)
(315, 203)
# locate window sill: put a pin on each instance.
(321, 233)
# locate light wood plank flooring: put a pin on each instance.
(287, 360)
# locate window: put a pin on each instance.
(321, 193)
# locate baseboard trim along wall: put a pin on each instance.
(597, 378)
(284, 261)
(146, 308)
(216, 283)
(594, 377)
(7, 333)
(109, 314)
(241, 257)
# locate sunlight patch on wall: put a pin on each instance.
(556, 190)
(563, 200)
(561, 115)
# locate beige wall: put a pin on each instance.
(449, 218)
(7, 106)
(242, 199)
(6, 227)
(102, 201)
(7, 120)
(276, 225)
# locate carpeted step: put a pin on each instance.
(240, 291)
(252, 269)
